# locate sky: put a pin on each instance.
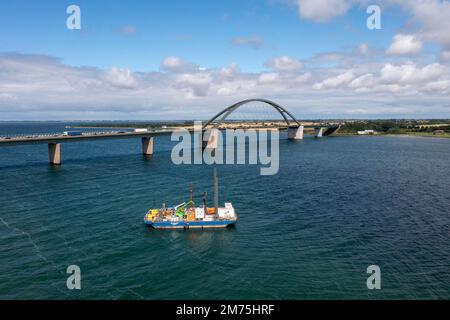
(190, 59)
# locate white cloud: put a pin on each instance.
(267, 78)
(442, 86)
(254, 42)
(198, 84)
(410, 73)
(334, 82)
(176, 64)
(224, 91)
(404, 44)
(284, 63)
(230, 71)
(365, 81)
(432, 18)
(445, 55)
(323, 10)
(45, 88)
(363, 48)
(303, 78)
(127, 30)
(120, 77)
(172, 63)
(7, 97)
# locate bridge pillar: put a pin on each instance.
(295, 133)
(54, 153)
(318, 132)
(147, 146)
(211, 139)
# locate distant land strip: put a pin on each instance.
(439, 128)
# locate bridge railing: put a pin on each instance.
(56, 134)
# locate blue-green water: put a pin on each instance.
(336, 206)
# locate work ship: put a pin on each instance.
(186, 215)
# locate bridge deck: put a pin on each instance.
(87, 136)
(60, 138)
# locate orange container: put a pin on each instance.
(211, 210)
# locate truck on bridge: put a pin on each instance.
(72, 133)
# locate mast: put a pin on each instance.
(205, 209)
(216, 192)
(191, 192)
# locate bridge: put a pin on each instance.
(294, 128)
(222, 115)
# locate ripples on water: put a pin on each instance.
(336, 206)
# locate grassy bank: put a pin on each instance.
(424, 128)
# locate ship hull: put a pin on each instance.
(190, 224)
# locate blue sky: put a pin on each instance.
(199, 31)
(126, 44)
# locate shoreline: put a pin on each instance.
(423, 135)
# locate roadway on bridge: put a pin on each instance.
(85, 136)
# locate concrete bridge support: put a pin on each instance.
(318, 132)
(147, 146)
(295, 133)
(211, 139)
(54, 153)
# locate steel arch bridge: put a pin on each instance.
(221, 116)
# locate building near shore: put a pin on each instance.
(365, 132)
